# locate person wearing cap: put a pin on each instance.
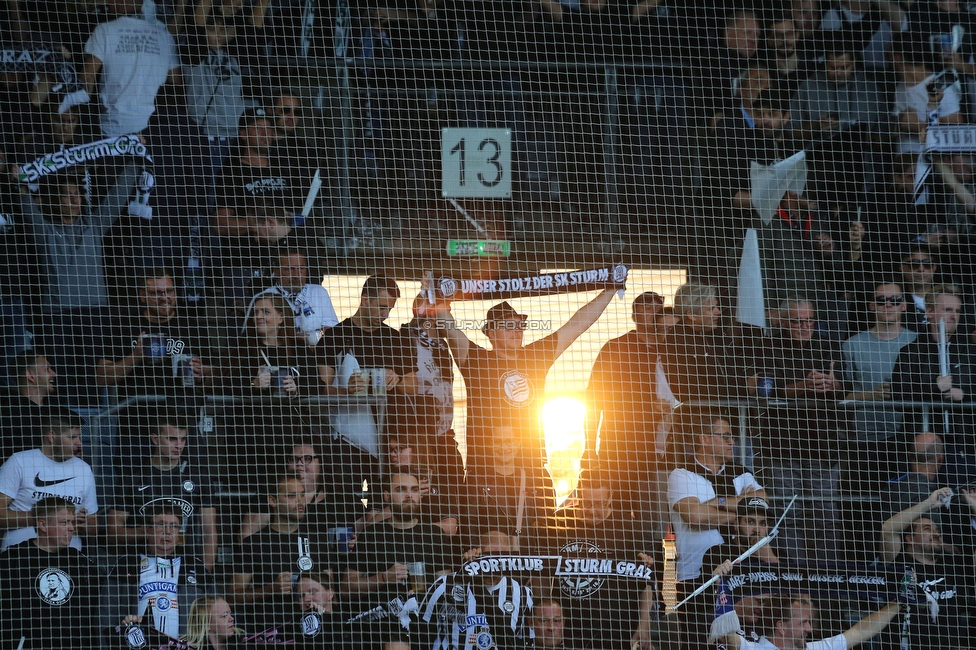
(251, 178)
(506, 384)
(625, 390)
(752, 523)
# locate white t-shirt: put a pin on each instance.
(838, 642)
(692, 544)
(137, 56)
(29, 476)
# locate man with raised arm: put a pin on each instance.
(507, 383)
(940, 618)
(791, 620)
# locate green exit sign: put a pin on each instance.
(478, 248)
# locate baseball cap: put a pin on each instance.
(503, 311)
(250, 114)
(752, 506)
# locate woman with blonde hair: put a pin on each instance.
(211, 625)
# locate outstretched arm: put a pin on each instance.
(869, 626)
(582, 320)
(459, 343)
(892, 529)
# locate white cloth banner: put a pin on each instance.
(771, 182)
(751, 303)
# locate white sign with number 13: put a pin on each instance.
(476, 163)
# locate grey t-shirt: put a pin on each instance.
(869, 362)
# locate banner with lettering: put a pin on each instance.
(555, 565)
(39, 60)
(123, 145)
(958, 138)
(542, 284)
(852, 581)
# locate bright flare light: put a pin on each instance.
(563, 420)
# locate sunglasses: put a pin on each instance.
(894, 301)
(918, 263)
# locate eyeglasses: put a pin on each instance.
(918, 263)
(894, 301)
(304, 460)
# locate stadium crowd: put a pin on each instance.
(145, 137)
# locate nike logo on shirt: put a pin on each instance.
(40, 483)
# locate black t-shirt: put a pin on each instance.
(623, 385)
(380, 348)
(20, 422)
(182, 335)
(703, 365)
(49, 599)
(811, 430)
(945, 588)
(247, 359)
(493, 502)
(505, 392)
(602, 608)
(187, 486)
(267, 553)
(382, 546)
(242, 187)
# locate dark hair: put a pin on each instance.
(288, 252)
(376, 283)
(546, 602)
(59, 420)
(595, 478)
(49, 506)
(169, 416)
(22, 362)
(49, 190)
(155, 273)
(410, 470)
(915, 248)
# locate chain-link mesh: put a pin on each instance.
(457, 324)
